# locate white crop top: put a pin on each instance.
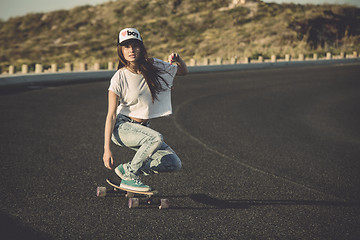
(134, 94)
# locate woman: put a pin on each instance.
(140, 90)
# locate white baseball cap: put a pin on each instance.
(128, 34)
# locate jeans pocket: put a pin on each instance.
(115, 135)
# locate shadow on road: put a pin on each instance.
(215, 203)
(12, 228)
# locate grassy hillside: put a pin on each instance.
(195, 29)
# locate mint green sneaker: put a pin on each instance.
(122, 173)
(135, 184)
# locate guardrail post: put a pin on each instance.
(315, 56)
(301, 57)
(11, 69)
(246, 60)
(54, 68)
(219, 61)
(206, 61)
(96, 66)
(24, 69)
(328, 56)
(82, 67)
(355, 54)
(261, 59)
(38, 68)
(110, 65)
(273, 58)
(287, 57)
(68, 67)
(233, 60)
(192, 62)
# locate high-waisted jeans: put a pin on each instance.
(152, 153)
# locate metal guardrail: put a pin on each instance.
(86, 76)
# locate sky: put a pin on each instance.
(14, 8)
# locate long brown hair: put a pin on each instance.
(146, 66)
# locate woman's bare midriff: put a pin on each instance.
(139, 119)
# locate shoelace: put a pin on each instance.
(138, 181)
(150, 172)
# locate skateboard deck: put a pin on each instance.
(147, 193)
(133, 201)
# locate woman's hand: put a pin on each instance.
(182, 68)
(173, 57)
(108, 159)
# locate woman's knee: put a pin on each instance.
(172, 162)
(158, 137)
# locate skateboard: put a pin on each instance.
(134, 197)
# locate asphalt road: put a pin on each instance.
(267, 154)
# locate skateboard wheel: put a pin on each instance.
(133, 202)
(164, 203)
(101, 191)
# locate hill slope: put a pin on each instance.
(193, 28)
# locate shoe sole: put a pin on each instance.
(135, 188)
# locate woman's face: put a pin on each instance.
(131, 51)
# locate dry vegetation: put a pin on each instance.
(195, 29)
